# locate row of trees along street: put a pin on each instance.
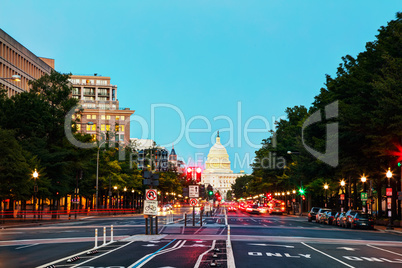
(368, 89)
(32, 138)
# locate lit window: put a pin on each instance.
(108, 117)
(122, 117)
(88, 116)
(107, 127)
(94, 116)
(78, 116)
(102, 127)
(88, 127)
(121, 128)
(116, 128)
(73, 116)
(117, 118)
(78, 127)
(93, 137)
(103, 117)
(94, 127)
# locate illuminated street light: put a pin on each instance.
(326, 188)
(15, 78)
(35, 175)
(389, 176)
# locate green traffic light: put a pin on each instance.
(301, 190)
(210, 192)
(399, 164)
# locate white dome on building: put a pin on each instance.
(218, 159)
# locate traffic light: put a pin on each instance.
(269, 196)
(303, 197)
(198, 174)
(399, 164)
(189, 174)
(301, 191)
(210, 193)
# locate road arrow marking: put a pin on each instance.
(149, 245)
(270, 245)
(348, 249)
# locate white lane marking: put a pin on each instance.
(349, 249)
(107, 252)
(197, 264)
(150, 256)
(270, 245)
(222, 230)
(329, 256)
(385, 250)
(27, 246)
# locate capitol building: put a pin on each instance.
(217, 171)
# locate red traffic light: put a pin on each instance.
(189, 170)
(198, 170)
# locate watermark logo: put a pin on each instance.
(331, 155)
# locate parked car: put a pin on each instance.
(342, 220)
(321, 216)
(362, 220)
(349, 215)
(312, 213)
(336, 218)
(330, 217)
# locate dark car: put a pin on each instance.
(342, 220)
(312, 213)
(331, 217)
(349, 215)
(362, 220)
(336, 217)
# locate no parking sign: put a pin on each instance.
(193, 202)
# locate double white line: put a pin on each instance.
(161, 251)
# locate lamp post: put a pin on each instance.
(35, 175)
(15, 78)
(343, 190)
(389, 176)
(364, 203)
(326, 188)
(124, 198)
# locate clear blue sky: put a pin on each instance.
(201, 59)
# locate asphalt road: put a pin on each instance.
(234, 239)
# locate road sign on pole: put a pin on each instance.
(363, 196)
(151, 194)
(193, 202)
(150, 207)
(194, 191)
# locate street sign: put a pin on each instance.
(193, 202)
(389, 202)
(151, 194)
(363, 196)
(389, 192)
(150, 207)
(194, 191)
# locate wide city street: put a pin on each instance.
(225, 238)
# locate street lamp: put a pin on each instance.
(343, 190)
(364, 179)
(389, 176)
(326, 188)
(15, 78)
(35, 175)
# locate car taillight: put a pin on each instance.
(283, 208)
(356, 219)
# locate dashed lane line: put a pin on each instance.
(329, 256)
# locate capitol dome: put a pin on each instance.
(218, 159)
